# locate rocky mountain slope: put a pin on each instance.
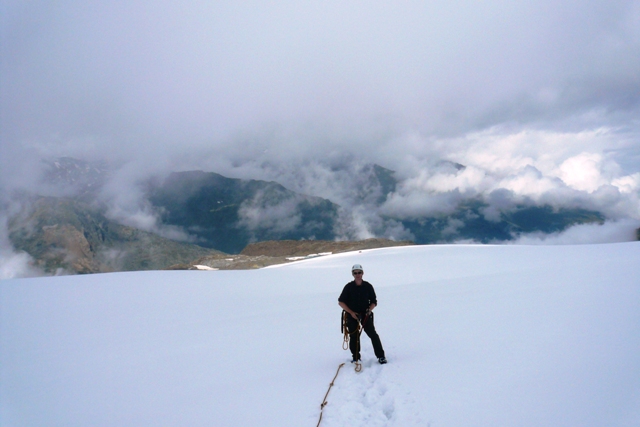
(68, 236)
(262, 254)
(75, 178)
(296, 248)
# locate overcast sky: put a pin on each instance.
(540, 97)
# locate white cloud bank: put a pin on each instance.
(14, 264)
(609, 232)
(527, 167)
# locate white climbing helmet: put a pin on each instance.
(357, 267)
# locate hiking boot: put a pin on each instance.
(382, 360)
(354, 360)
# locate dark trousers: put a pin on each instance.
(354, 337)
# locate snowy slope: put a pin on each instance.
(475, 336)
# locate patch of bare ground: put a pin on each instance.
(262, 254)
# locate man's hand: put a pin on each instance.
(346, 308)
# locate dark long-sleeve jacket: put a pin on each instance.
(358, 298)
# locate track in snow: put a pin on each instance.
(370, 398)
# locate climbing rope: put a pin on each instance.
(347, 337)
(324, 401)
(345, 346)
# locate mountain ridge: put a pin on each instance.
(71, 229)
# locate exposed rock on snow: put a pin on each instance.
(262, 254)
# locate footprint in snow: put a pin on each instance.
(369, 398)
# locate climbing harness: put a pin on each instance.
(324, 401)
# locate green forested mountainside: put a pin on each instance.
(227, 214)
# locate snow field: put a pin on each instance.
(475, 336)
(370, 398)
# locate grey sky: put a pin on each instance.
(539, 97)
(173, 73)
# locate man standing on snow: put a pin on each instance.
(358, 299)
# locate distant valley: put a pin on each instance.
(70, 230)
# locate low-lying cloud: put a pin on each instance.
(14, 263)
(263, 213)
(532, 167)
(609, 232)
